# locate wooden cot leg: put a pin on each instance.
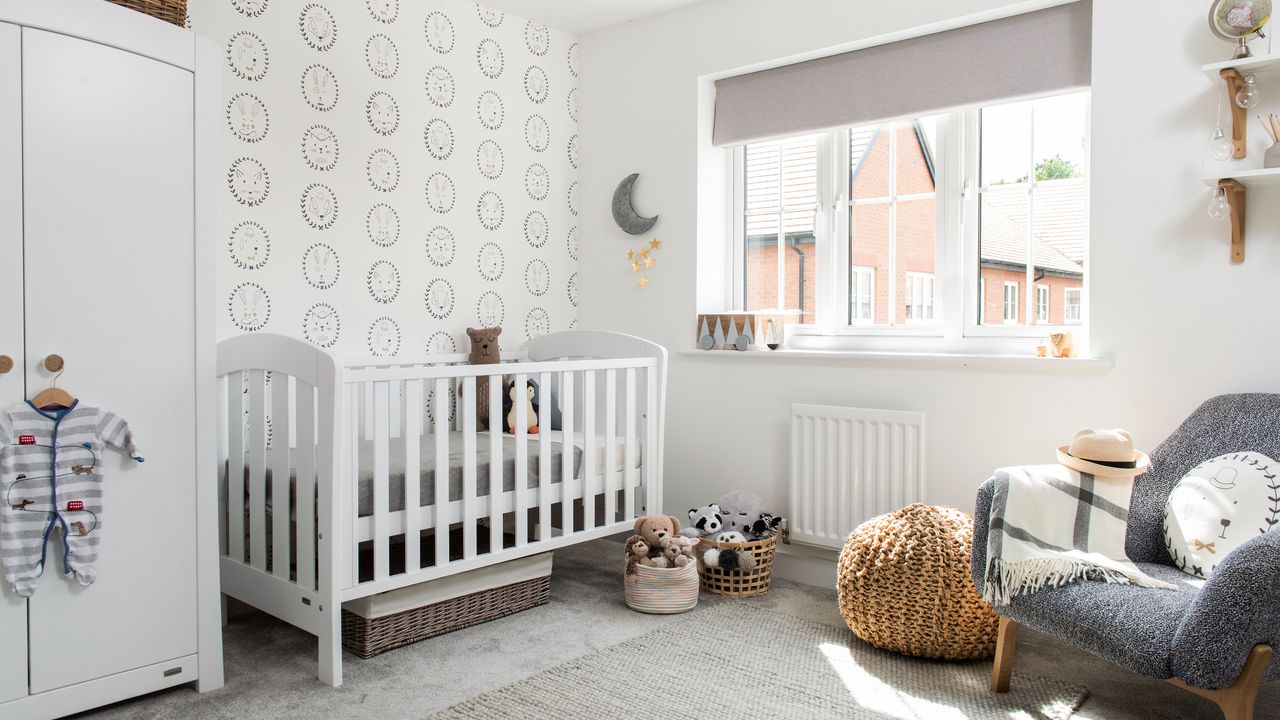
(330, 642)
(1237, 699)
(1006, 644)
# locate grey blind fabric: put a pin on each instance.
(1029, 54)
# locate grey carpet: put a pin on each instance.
(736, 660)
(271, 667)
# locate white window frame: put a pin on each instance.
(870, 274)
(1042, 309)
(958, 281)
(1014, 285)
(1067, 305)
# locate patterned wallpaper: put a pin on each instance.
(394, 172)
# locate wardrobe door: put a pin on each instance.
(110, 268)
(13, 610)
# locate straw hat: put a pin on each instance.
(1108, 453)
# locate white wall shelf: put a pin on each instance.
(1248, 178)
(1260, 65)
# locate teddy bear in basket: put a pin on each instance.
(657, 543)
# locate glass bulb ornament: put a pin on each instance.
(1220, 146)
(1248, 96)
(1219, 208)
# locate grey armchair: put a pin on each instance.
(1215, 640)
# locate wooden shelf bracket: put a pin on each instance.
(1239, 116)
(1235, 198)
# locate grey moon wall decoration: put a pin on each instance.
(624, 212)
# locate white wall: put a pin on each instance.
(1182, 322)
(330, 275)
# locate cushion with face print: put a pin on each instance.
(1218, 506)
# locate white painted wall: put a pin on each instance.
(1182, 322)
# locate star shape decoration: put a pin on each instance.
(648, 262)
(655, 243)
(635, 267)
(644, 282)
(631, 255)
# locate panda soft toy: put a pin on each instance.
(730, 559)
(703, 521)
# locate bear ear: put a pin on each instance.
(692, 512)
(639, 524)
(472, 332)
(715, 508)
(675, 523)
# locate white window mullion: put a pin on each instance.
(893, 225)
(737, 251)
(1028, 310)
(827, 265)
(951, 224)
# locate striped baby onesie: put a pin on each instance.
(50, 480)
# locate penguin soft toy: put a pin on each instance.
(531, 407)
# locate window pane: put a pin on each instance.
(869, 161)
(870, 249)
(914, 159)
(1003, 243)
(915, 251)
(862, 293)
(1061, 124)
(1059, 240)
(781, 188)
(1006, 143)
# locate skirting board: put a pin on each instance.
(807, 565)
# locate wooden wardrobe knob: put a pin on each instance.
(54, 363)
(6, 364)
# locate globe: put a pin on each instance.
(1239, 21)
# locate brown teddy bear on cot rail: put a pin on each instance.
(484, 351)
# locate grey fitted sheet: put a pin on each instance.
(427, 475)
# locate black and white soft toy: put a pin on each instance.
(730, 559)
(766, 526)
(703, 521)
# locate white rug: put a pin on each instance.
(736, 661)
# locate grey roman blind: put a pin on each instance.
(1034, 53)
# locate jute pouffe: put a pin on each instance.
(904, 585)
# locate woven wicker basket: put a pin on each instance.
(170, 11)
(662, 591)
(735, 583)
(366, 637)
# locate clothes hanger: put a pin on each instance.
(53, 395)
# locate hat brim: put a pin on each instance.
(1141, 462)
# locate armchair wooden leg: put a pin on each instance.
(1006, 644)
(1235, 700)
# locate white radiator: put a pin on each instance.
(849, 465)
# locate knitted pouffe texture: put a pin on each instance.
(904, 585)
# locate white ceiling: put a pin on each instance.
(583, 16)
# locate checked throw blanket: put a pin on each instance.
(1051, 525)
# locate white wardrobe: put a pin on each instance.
(107, 142)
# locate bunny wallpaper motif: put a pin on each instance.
(395, 171)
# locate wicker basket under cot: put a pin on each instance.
(739, 584)
(390, 620)
(170, 11)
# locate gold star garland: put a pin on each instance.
(644, 259)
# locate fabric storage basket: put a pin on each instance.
(662, 591)
(735, 583)
(170, 11)
(374, 625)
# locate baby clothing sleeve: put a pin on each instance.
(115, 432)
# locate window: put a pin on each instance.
(1071, 298)
(894, 229)
(919, 297)
(781, 202)
(862, 295)
(1010, 302)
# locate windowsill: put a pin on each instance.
(960, 360)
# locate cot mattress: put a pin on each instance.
(427, 453)
(427, 475)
